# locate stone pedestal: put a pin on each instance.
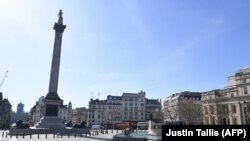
(154, 131)
(50, 123)
(50, 119)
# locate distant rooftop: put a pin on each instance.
(152, 101)
(97, 101)
(110, 97)
(185, 94)
(243, 70)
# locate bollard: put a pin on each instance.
(10, 134)
(75, 134)
(54, 135)
(61, 135)
(16, 134)
(6, 135)
(30, 135)
(23, 135)
(68, 135)
(38, 135)
(2, 134)
(46, 136)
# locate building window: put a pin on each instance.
(233, 109)
(225, 109)
(232, 94)
(248, 108)
(205, 110)
(245, 89)
(212, 110)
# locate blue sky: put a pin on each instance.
(115, 46)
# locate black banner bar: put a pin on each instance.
(208, 132)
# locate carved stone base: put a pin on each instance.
(50, 123)
(154, 131)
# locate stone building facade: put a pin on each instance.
(63, 113)
(98, 114)
(178, 105)
(231, 105)
(130, 107)
(79, 115)
(153, 110)
(114, 105)
(133, 106)
(5, 112)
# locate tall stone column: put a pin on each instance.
(55, 66)
(52, 101)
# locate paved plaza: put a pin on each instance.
(50, 137)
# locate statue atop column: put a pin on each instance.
(60, 20)
(59, 27)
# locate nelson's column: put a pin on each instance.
(52, 101)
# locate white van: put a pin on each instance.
(96, 126)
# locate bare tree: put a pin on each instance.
(171, 114)
(160, 116)
(190, 111)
